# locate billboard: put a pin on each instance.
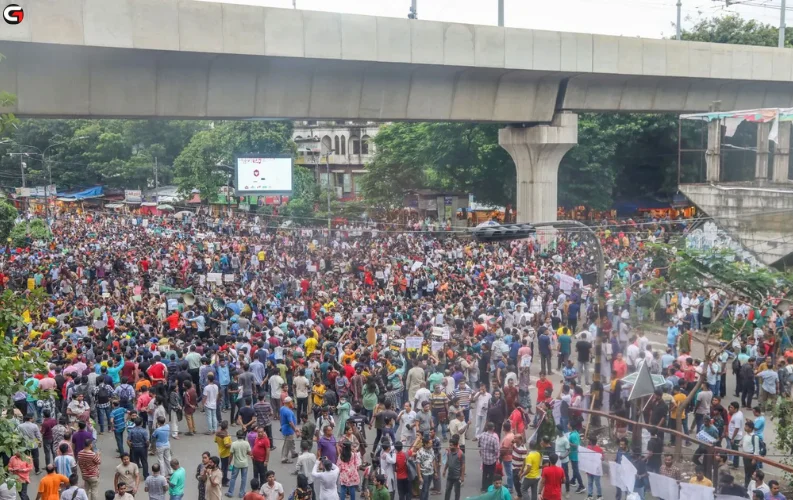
(263, 175)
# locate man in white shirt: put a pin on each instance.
(73, 492)
(422, 395)
(271, 489)
(735, 429)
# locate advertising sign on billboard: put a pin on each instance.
(264, 175)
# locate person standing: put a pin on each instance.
(551, 480)
(750, 444)
(32, 436)
(20, 465)
(156, 485)
(531, 475)
(325, 480)
(190, 400)
(89, 463)
(138, 442)
(482, 401)
(161, 436)
(211, 394)
(454, 469)
(240, 451)
(74, 492)
(127, 473)
(489, 446)
(50, 485)
(272, 489)
(289, 430)
(50, 451)
(118, 415)
(214, 479)
(260, 453)
(593, 480)
(176, 480)
(575, 441)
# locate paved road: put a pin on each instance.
(188, 450)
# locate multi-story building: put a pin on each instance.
(337, 152)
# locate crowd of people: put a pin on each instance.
(371, 359)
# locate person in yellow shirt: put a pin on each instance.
(531, 469)
(260, 255)
(700, 478)
(223, 440)
(310, 345)
(679, 398)
(319, 396)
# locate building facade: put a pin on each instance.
(336, 151)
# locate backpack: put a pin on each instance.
(760, 448)
(736, 365)
(124, 395)
(103, 394)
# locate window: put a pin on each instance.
(326, 145)
(336, 144)
(355, 145)
(365, 145)
(343, 146)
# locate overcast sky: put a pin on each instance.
(645, 18)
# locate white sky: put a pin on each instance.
(645, 18)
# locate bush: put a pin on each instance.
(25, 233)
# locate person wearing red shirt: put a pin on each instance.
(349, 371)
(543, 385)
(173, 320)
(157, 371)
(260, 454)
(551, 480)
(401, 470)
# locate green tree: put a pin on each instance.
(26, 232)
(206, 163)
(15, 360)
(732, 28)
(8, 215)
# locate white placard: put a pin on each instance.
(690, 491)
(413, 342)
(311, 269)
(228, 278)
(437, 346)
(663, 487)
(614, 475)
(173, 304)
(591, 462)
(81, 331)
(215, 278)
(447, 334)
(627, 474)
(416, 265)
(145, 223)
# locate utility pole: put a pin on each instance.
(327, 169)
(413, 10)
(156, 180)
(677, 27)
(781, 44)
(501, 13)
(22, 168)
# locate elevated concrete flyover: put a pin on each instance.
(188, 59)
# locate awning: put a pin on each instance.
(149, 204)
(114, 205)
(94, 192)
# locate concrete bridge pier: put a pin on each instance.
(537, 152)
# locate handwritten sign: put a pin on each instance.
(437, 346)
(413, 342)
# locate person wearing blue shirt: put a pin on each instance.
(114, 372)
(671, 338)
(288, 429)
(224, 379)
(667, 359)
(565, 348)
(544, 344)
(161, 436)
(119, 416)
(759, 422)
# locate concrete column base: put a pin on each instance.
(782, 154)
(537, 152)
